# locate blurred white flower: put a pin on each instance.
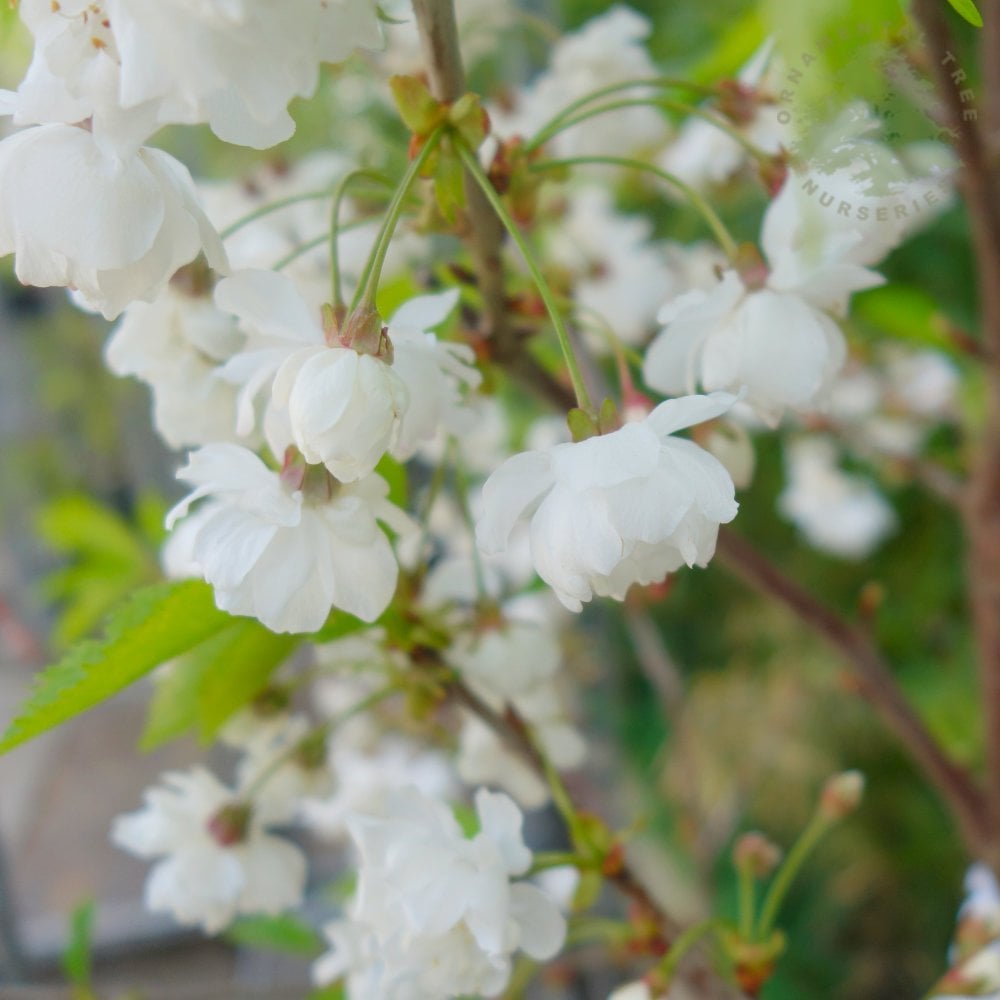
(617, 509)
(176, 345)
(114, 229)
(286, 552)
(437, 911)
(617, 272)
(434, 372)
(838, 512)
(608, 49)
(703, 154)
(217, 858)
(516, 665)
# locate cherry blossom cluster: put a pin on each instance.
(297, 409)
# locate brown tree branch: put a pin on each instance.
(439, 41)
(696, 971)
(952, 782)
(974, 139)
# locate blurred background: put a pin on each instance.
(722, 712)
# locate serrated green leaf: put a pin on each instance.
(205, 687)
(968, 10)
(110, 557)
(242, 667)
(283, 933)
(156, 624)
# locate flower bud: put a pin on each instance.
(753, 852)
(842, 794)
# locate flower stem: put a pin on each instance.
(683, 944)
(368, 284)
(555, 124)
(708, 213)
(548, 296)
(335, 228)
(803, 847)
(274, 206)
(747, 892)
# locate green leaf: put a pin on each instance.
(156, 624)
(420, 111)
(907, 314)
(283, 933)
(110, 556)
(76, 960)
(449, 187)
(969, 11)
(209, 684)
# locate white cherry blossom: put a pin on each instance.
(433, 371)
(617, 271)
(768, 330)
(436, 914)
(131, 66)
(838, 512)
(286, 551)
(622, 508)
(176, 344)
(607, 49)
(217, 859)
(115, 229)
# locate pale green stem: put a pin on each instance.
(747, 893)
(462, 489)
(544, 860)
(274, 206)
(324, 729)
(548, 296)
(316, 241)
(683, 945)
(554, 124)
(803, 847)
(368, 284)
(716, 224)
(335, 227)
(658, 102)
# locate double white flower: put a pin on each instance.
(767, 330)
(217, 858)
(285, 550)
(437, 914)
(113, 228)
(622, 508)
(341, 408)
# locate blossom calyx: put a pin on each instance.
(314, 482)
(364, 332)
(231, 824)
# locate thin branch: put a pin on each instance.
(981, 506)
(439, 42)
(697, 973)
(952, 782)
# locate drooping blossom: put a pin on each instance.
(437, 914)
(114, 229)
(617, 509)
(217, 859)
(288, 549)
